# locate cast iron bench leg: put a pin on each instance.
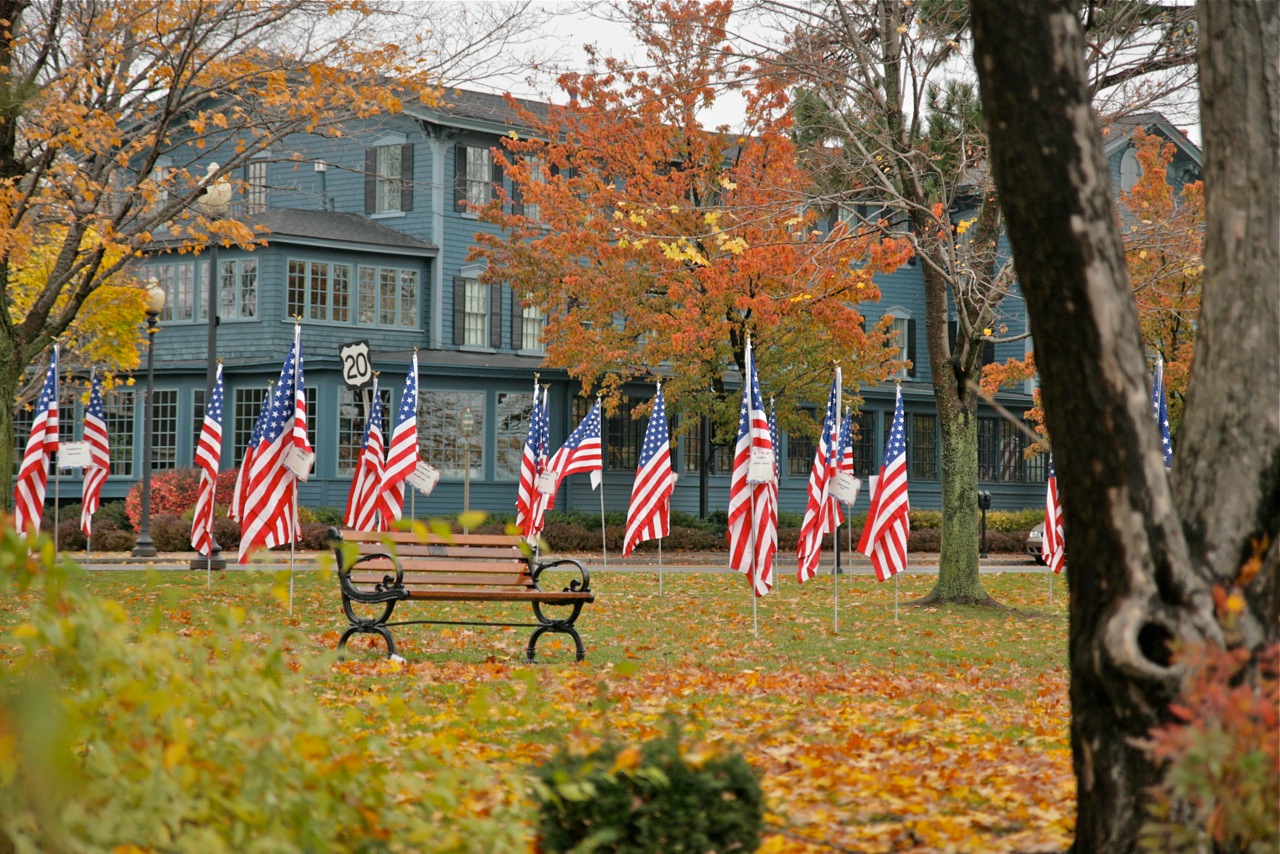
(367, 629)
(530, 654)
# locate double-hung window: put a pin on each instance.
(319, 290)
(388, 180)
(475, 174)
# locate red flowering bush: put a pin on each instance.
(175, 492)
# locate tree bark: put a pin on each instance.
(1141, 569)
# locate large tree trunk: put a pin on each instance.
(1141, 570)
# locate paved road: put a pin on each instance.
(920, 562)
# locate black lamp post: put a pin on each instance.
(984, 504)
(155, 304)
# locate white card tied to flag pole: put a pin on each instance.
(751, 549)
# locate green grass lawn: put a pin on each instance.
(940, 729)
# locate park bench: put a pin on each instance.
(387, 568)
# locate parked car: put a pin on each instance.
(1035, 540)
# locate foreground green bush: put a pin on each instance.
(654, 797)
(113, 735)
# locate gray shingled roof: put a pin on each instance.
(336, 227)
(484, 107)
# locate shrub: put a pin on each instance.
(1221, 786)
(70, 537)
(327, 516)
(651, 797)
(174, 492)
(107, 742)
(171, 533)
(113, 540)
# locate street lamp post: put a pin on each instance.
(468, 426)
(155, 304)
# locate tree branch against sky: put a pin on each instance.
(113, 112)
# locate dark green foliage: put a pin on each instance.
(648, 798)
(327, 515)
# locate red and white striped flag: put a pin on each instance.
(884, 539)
(236, 510)
(751, 549)
(1053, 545)
(535, 452)
(581, 452)
(821, 513)
(208, 459)
(270, 509)
(42, 444)
(649, 514)
(402, 451)
(363, 501)
(95, 436)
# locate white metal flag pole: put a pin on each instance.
(604, 541)
(1050, 587)
(292, 543)
(659, 566)
(751, 573)
(895, 597)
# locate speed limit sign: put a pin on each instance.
(357, 370)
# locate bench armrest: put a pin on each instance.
(335, 537)
(575, 586)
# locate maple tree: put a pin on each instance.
(893, 122)
(656, 247)
(114, 114)
(1161, 560)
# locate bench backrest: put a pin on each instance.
(462, 560)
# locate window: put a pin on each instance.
(1010, 453)
(1037, 468)
(689, 450)
(22, 422)
(255, 191)
(67, 421)
(197, 420)
(513, 415)
(385, 296)
(237, 290)
(475, 313)
(904, 338)
(318, 290)
(864, 424)
(922, 447)
(164, 429)
(353, 410)
(309, 397)
(532, 322)
(388, 180)
(248, 402)
(800, 453)
(475, 173)
(623, 436)
(179, 284)
(118, 406)
(440, 432)
(1000, 445)
(530, 210)
(1130, 169)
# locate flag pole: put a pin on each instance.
(292, 544)
(604, 540)
(57, 481)
(835, 508)
(659, 566)
(751, 544)
(895, 597)
(1050, 587)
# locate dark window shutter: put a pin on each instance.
(495, 173)
(988, 352)
(406, 176)
(911, 345)
(459, 310)
(459, 177)
(517, 199)
(495, 316)
(517, 322)
(370, 180)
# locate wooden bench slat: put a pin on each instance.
(409, 538)
(445, 579)
(463, 594)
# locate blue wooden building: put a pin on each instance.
(367, 239)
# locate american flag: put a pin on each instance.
(649, 515)
(42, 444)
(884, 539)
(820, 510)
(844, 459)
(540, 426)
(95, 474)
(581, 452)
(270, 509)
(402, 451)
(531, 463)
(751, 550)
(1160, 407)
(362, 501)
(771, 518)
(1010, 457)
(1053, 546)
(208, 459)
(236, 510)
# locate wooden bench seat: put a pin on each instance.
(385, 568)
